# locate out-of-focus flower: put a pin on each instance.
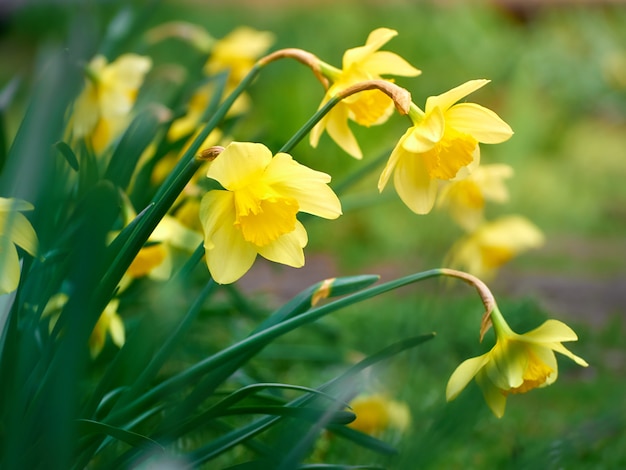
(256, 212)
(111, 323)
(237, 52)
(442, 145)
(15, 230)
(493, 244)
(102, 110)
(516, 364)
(195, 35)
(465, 198)
(377, 413)
(366, 108)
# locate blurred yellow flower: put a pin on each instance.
(102, 110)
(516, 364)
(256, 212)
(237, 52)
(15, 230)
(111, 323)
(465, 198)
(493, 244)
(442, 145)
(366, 108)
(108, 322)
(377, 413)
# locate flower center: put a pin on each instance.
(263, 219)
(535, 375)
(454, 151)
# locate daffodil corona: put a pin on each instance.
(366, 108)
(256, 211)
(516, 364)
(441, 145)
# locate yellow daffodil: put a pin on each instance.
(377, 413)
(465, 198)
(15, 230)
(111, 323)
(516, 364)
(256, 212)
(493, 244)
(366, 108)
(102, 110)
(237, 52)
(108, 322)
(442, 145)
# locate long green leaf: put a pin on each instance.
(88, 426)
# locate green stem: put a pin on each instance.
(192, 374)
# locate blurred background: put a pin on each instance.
(558, 71)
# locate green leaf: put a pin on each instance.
(69, 155)
(88, 426)
(313, 415)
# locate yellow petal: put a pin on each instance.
(240, 164)
(12, 204)
(507, 365)
(558, 347)
(551, 331)
(479, 122)
(447, 99)
(413, 183)
(427, 133)
(393, 161)
(176, 234)
(227, 254)
(389, 63)
(463, 375)
(22, 233)
(339, 131)
(9, 266)
(495, 399)
(287, 249)
(376, 39)
(305, 185)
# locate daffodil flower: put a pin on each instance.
(377, 413)
(493, 244)
(441, 145)
(102, 110)
(516, 364)
(111, 323)
(15, 230)
(465, 198)
(256, 211)
(366, 108)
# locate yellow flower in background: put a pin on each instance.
(442, 145)
(366, 108)
(256, 212)
(111, 323)
(102, 110)
(493, 244)
(15, 230)
(465, 198)
(377, 413)
(516, 364)
(237, 52)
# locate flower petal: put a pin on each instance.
(228, 255)
(240, 164)
(339, 131)
(551, 331)
(479, 122)
(427, 133)
(463, 374)
(496, 400)
(376, 39)
(558, 347)
(305, 185)
(447, 99)
(21, 232)
(9, 266)
(287, 249)
(389, 63)
(413, 183)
